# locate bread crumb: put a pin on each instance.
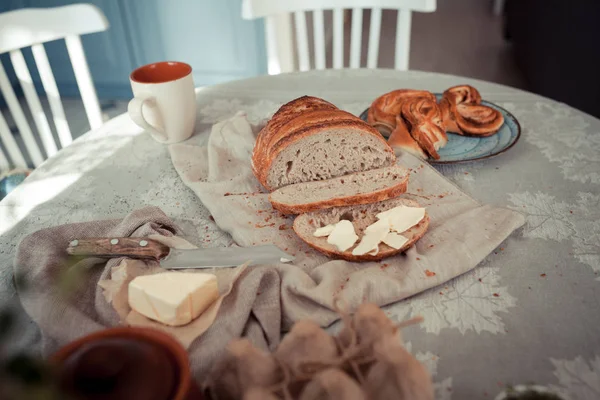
(429, 273)
(264, 225)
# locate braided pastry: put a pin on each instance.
(462, 113)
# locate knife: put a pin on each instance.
(170, 258)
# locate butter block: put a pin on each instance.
(374, 234)
(395, 240)
(173, 298)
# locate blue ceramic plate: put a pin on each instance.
(464, 148)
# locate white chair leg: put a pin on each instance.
(3, 163)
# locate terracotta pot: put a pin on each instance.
(128, 360)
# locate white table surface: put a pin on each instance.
(530, 313)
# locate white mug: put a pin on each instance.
(164, 102)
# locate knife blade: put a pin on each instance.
(171, 258)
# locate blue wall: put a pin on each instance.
(210, 35)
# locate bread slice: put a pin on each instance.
(361, 217)
(357, 188)
(309, 139)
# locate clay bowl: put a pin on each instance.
(126, 362)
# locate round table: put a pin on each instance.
(527, 314)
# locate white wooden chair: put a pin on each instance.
(33, 27)
(279, 38)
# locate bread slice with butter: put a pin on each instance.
(362, 217)
(357, 188)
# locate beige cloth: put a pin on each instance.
(250, 308)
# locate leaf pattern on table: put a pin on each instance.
(564, 136)
(472, 301)
(462, 175)
(221, 109)
(355, 108)
(548, 218)
(578, 379)
(443, 389)
(586, 241)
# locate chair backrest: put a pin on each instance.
(278, 13)
(33, 27)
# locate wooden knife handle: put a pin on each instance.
(119, 247)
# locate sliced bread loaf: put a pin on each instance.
(361, 217)
(357, 188)
(309, 139)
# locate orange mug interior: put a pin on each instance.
(160, 72)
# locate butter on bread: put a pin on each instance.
(362, 217)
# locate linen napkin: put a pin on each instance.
(462, 232)
(97, 300)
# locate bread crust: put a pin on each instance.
(365, 198)
(298, 119)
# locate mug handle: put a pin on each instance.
(134, 108)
